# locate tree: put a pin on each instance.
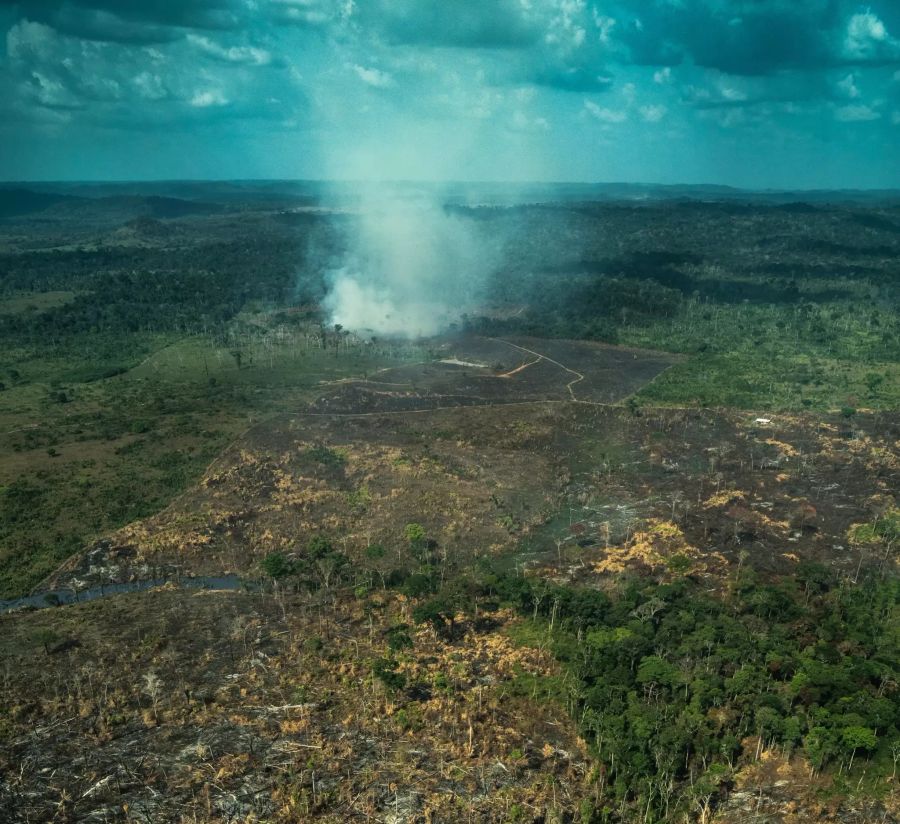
(330, 566)
(415, 536)
(440, 613)
(277, 565)
(46, 637)
(858, 738)
(385, 670)
(820, 746)
(153, 690)
(654, 671)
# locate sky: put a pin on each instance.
(751, 93)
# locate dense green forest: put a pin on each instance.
(668, 682)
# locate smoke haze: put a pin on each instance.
(412, 267)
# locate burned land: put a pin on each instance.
(618, 546)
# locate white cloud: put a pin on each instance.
(662, 76)
(605, 25)
(59, 71)
(847, 87)
(307, 12)
(856, 113)
(733, 95)
(50, 92)
(605, 115)
(727, 118)
(248, 55)
(373, 77)
(867, 38)
(653, 113)
(566, 27)
(208, 98)
(524, 123)
(150, 86)
(26, 40)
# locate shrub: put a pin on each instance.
(277, 565)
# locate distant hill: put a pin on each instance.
(131, 206)
(168, 198)
(29, 204)
(16, 202)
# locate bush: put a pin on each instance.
(385, 670)
(277, 565)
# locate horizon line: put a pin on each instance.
(430, 182)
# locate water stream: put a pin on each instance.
(59, 597)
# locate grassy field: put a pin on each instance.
(783, 358)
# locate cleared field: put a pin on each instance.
(237, 729)
(476, 371)
(475, 479)
(583, 490)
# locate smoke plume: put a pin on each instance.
(412, 266)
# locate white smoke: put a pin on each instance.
(412, 267)
(368, 308)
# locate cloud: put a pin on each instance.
(312, 13)
(856, 113)
(761, 37)
(208, 97)
(717, 90)
(653, 113)
(56, 71)
(150, 86)
(247, 55)
(51, 93)
(522, 122)
(867, 39)
(847, 87)
(765, 38)
(605, 115)
(462, 23)
(721, 92)
(373, 77)
(488, 75)
(570, 78)
(105, 84)
(134, 21)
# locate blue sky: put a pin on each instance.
(756, 93)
